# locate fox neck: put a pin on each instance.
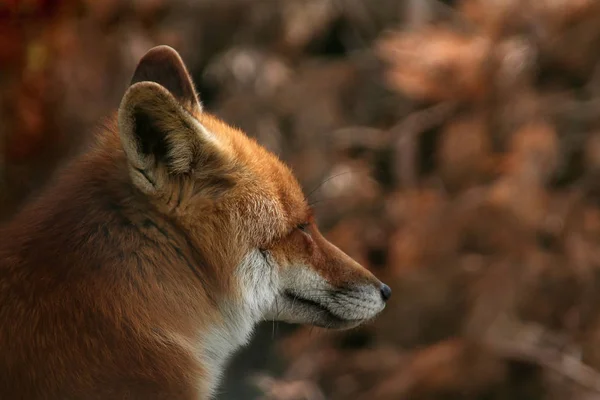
(257, 282)
(237, 301)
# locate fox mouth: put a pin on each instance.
(324, 317)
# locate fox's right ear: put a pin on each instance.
(163, 140)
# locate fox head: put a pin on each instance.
(239, 206)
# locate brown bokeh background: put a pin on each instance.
(452, 147)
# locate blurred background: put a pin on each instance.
(452, 147)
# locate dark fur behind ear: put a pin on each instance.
(163, 65)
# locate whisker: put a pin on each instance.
(317, 202)
(327, 180)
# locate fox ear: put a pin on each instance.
(163, 65)
(162, 140)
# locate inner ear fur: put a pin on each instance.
(157, 132)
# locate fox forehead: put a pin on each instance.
(267, 184)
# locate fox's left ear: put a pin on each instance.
(163, 65)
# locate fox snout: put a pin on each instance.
(358, 303)
(311, 299)
(344, 306)
(320, 285)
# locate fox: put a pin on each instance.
(154, 253)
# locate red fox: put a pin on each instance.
(153, 255)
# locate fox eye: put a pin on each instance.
(302, 227)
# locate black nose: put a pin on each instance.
(386, 292)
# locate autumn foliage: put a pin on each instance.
(451, 146)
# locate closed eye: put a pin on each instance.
(303, 227)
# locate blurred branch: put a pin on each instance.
(533, 343)
(405, 146)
